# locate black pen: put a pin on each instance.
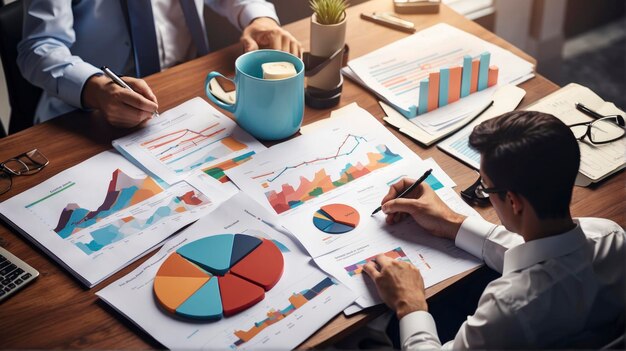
(407, 190)
(117, 80)
(589, 112)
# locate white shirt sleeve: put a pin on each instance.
(486, 241)
(492, 325)
(241, 12)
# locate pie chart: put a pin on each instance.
(216, 276)
(336, 218)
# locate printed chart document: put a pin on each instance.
(296, 178)
(596, 161)
(395, 71)
(437, 258)
(505, 99)
(301, 302)
(102, 214)
(191, 137)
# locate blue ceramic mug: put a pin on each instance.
(267, 109)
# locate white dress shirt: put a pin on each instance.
(559, 291)
(173, 36)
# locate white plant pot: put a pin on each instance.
(326, 39)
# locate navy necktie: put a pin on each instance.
(195, 26)
(143, 35)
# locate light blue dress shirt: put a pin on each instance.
(65, 42)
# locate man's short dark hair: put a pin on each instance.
(533, 154)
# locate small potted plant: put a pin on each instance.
(328, 37)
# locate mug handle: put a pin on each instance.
(207, 90)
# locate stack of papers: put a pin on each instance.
(102, 214)
(596, 161)
(349, 161)
(277, 322)
(394, 72)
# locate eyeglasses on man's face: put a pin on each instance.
(600, 131)
(27, 163)
(479, 192)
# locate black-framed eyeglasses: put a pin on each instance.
(24, 164)
(478, 192)
(600, 131)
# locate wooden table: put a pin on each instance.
(57, 312)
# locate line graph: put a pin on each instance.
(357, 138)
(182, 133)
(186, 149)
(188, 138)
(361, 158)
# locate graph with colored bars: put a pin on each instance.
(296, 300)
(185, 149)
(450, 84)
(320, 182)
(218, 171)
(357, 268)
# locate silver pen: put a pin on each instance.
(117, 80)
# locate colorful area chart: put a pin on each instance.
(320, 181)
(217, 276)
(122, 193)
(336, 218)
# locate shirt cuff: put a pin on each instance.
(472, 235)
(416, 322)
(256, 10)
(74, 79)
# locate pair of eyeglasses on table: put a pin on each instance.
(15, 273)
(27, 163)
(602, 130)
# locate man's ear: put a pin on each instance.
(516, 202)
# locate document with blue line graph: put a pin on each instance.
(394, 72)
(189, 139)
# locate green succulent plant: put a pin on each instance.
(329, 11)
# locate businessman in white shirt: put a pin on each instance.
(65, 42)
(563, 279)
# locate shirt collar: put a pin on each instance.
(525, 255)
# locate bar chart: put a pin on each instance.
(450, 84)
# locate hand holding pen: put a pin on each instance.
(407, 190)
(122, 105)
(418, 200)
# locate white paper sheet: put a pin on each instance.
(133, 297)
(596, 161)
(438, 259)
(394, 71)
(300, 175)
(190, 137)
(104, 213)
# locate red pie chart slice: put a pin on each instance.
(238, 294)
(263, 266)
